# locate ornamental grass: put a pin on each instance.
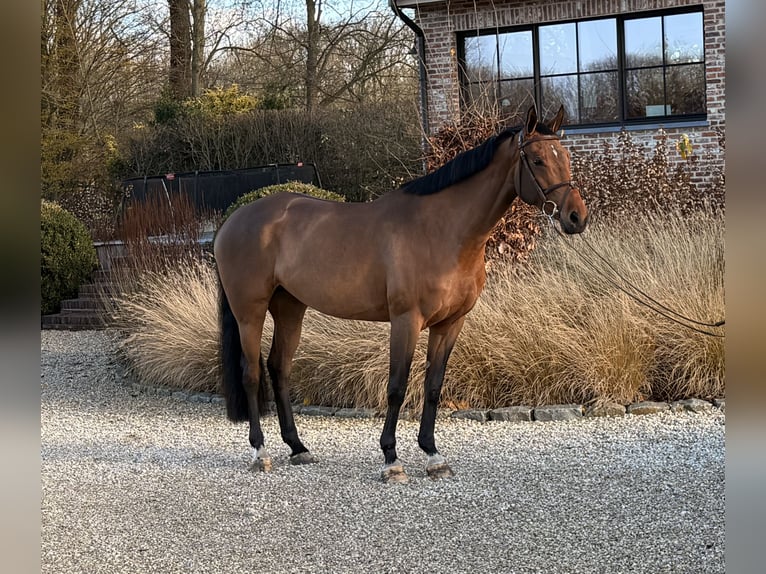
(548, 331)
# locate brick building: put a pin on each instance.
(640, 65)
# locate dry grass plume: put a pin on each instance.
(551, 331)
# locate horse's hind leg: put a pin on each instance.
(441, 340)
(253, 380)
(288, 318)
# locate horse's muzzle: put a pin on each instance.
(574, 215)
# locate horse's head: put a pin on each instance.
(543, 173)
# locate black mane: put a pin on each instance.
(464, 165)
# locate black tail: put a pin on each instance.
(233, 365)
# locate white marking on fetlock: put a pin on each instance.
(435, 460)
(259, 453)
(260, 460)
(395, 464)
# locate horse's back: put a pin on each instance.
(328, 255)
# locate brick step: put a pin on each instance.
(81, 312)
(94, 290)
(100, 276)
(73, 322)
(95, 304)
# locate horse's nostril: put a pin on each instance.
(573, 217)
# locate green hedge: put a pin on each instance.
(293, 186)
(361, 153)
(67, 256)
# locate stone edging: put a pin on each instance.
(512, 414)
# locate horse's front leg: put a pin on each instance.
(404, 336)
(441, 340)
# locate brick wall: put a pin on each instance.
(440, 21)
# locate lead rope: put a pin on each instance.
(660, 309)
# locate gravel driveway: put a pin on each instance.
(156, 484)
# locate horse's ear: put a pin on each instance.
(531, 123)
(556, 122)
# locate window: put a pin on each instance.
(628, 69)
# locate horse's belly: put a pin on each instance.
(345, 305)
(332, 292)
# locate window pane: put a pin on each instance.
(683, 38)
(482, 96)
(599, 98)
(558, 49)
(557, 91)
(644, 93)
(515, 98)
(480, 58)
(598, 45)
(516, 55)
(643, 42)
(686, 89)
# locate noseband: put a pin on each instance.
(543, 193)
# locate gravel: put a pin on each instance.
(152, 483)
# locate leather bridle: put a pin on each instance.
(543, 193)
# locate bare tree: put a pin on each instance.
(100, 72)
(198, 31)
(356, 55)
(199, 11)
(311, 46)
(180, 49)
(60, 64)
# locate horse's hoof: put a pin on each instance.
(394, 473)
(261, 465)
(438, 468)
(438, 471)
(303, 458)
(260, 460)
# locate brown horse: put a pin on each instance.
(413, 257)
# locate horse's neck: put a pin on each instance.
(479, 202)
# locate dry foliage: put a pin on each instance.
(552, 331)
(627, 176)
(160, 233)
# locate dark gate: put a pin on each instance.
(216, 190)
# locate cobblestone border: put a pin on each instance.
(508, 414)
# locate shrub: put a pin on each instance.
(95, 207)
(67, 256)
(554, 331)
(361, 152)
(292, 186)
(159, 234)
(628, 176)
(219, 101)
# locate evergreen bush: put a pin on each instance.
(67, 256)
(292, 186)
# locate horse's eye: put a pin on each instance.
(537, 161)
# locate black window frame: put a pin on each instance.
(622, 67)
